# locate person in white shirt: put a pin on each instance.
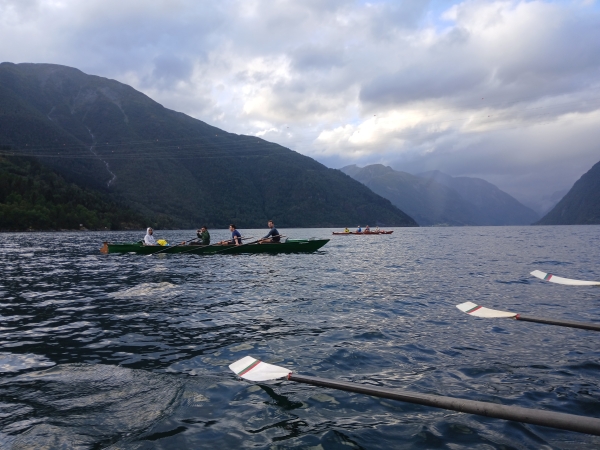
(149, 239)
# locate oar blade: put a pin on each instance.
(559, 280)
(253, 369)
(480, 311)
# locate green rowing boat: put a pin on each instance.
(289, 246)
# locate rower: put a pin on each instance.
(203, 235)
(272, 235)
(236, 237)
(149, 239)
(346, 230)
(367, 229)
(358, 229)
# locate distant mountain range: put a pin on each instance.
(171, 168)
(581, 205)
(434, 198)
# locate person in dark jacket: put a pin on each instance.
(272, 235)
(203, 236)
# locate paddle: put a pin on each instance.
(168, 247)
(229, 247)
(254, 370)
(558, 280)
(480, 311)
(202, 247)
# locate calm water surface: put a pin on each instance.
(130, 351)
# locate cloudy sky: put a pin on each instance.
(508, 91)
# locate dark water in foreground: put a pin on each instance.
(128, 351)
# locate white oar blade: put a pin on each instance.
(558, 280)
(479, 311)
(253, 369)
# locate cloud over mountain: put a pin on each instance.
(503, 90)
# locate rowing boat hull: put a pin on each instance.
(341, 233)
(290, 246)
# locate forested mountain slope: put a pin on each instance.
(33, 197)
(168, 166)
(581, 205)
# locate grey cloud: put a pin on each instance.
(420, 83)
(319, 65)
(170, 68)
(390, 17)
(309, 57)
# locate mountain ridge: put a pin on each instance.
(579, 206)
(435, 198)
(169, 165)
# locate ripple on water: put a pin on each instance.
(140, 346)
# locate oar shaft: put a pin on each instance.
(560, 323)
(570, 422)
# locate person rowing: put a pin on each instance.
(367, 229)
(203, 236)
(358, 229)
(236, 237)
(346, 230)
(149, 239)
(272, 235)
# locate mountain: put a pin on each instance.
(435, 198)
(496, 206)
(581, 205)
(430, 203)
(172, 168)
(33, 196)
(544, 204)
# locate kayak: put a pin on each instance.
(289, 246)
(340, 233)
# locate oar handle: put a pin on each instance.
(560, 323)
(570, 422)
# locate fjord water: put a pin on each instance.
(131, 351)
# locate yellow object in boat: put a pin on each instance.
(162, 242)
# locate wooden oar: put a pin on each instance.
(559, 280)
(229, 247)
(254, 370)
(168, 247)
(201, 246)
(480, 311)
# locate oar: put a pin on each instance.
(202, 246)
(255, 370)
(170, 247)
(559, 280)
(229, 247)
(271, 237)
(480, 311)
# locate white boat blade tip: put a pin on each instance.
(252, 369)
(559, 280)
(479, 311)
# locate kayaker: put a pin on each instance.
(367, 229)
(236, 237)
(358, 229)
(272, 235)
(376, 229)
(149, 239)
(346, 230)
(203, 235)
